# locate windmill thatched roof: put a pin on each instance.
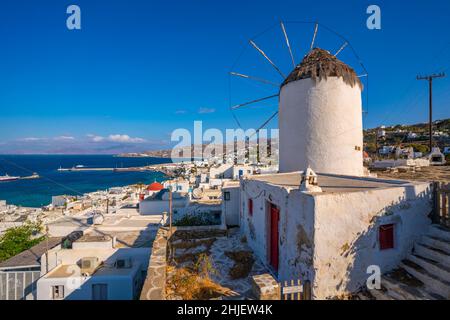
(320, 64)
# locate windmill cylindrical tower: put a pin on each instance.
(320, 117)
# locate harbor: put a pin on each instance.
(81, 168)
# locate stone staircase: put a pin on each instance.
(424, 275)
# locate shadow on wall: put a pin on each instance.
(366, 249)
(114, 284)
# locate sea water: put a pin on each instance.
(38, 192)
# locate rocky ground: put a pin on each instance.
(432, 173)
(211, 267)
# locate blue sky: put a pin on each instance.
(139, 69)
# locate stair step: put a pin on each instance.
(379, 294)
(364, 296)
(432, 253)
(440, 232)
(436, 242)
(405, 291)
(439, 270)
(431, 282)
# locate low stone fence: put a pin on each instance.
(155, 283)
(265, 287)
(154, 287)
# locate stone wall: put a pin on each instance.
(155, 283)
(265, 287)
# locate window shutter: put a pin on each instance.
(386, 236)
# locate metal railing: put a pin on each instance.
(18, 285)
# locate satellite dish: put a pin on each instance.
(197, 193)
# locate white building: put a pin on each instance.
(177, 185)
(231, 203)
(242, 171)
(3, 206)
(59, 201)
(94, 269)
(331, 237)
(328, 228)
(159, 203)
(436, 157)
(223, 171)
(386, 150)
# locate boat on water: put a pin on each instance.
(77, 167)
(33, 176)
(6, 177)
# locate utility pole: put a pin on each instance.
(170, 211)
(376, 144)
(430, 78)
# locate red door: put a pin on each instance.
(274, 218)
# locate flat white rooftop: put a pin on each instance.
(73, 270)
(330, 183)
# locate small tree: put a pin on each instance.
(18, 239)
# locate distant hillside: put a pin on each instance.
(409, 135)
(415, 135)
(167, 153)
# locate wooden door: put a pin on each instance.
(274, 249)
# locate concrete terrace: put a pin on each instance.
(330, 183)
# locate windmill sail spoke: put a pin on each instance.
(316, 27)
(254, 78)
(341, 48)
(363, 75)
(253, 101)
(287, 42)
(264, 124)
(267, 58)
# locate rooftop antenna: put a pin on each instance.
(430, 78)
(287, 43)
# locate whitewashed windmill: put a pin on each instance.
(319, 108)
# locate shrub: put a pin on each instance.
(18, 239)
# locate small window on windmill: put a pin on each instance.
(386, 236)
(226, 196)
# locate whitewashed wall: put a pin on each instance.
(320, 125)
(230, 208)
(346, 233)
(330, 239)
(223, 171)
(295, 227)
(119, 287)
(150, 207)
